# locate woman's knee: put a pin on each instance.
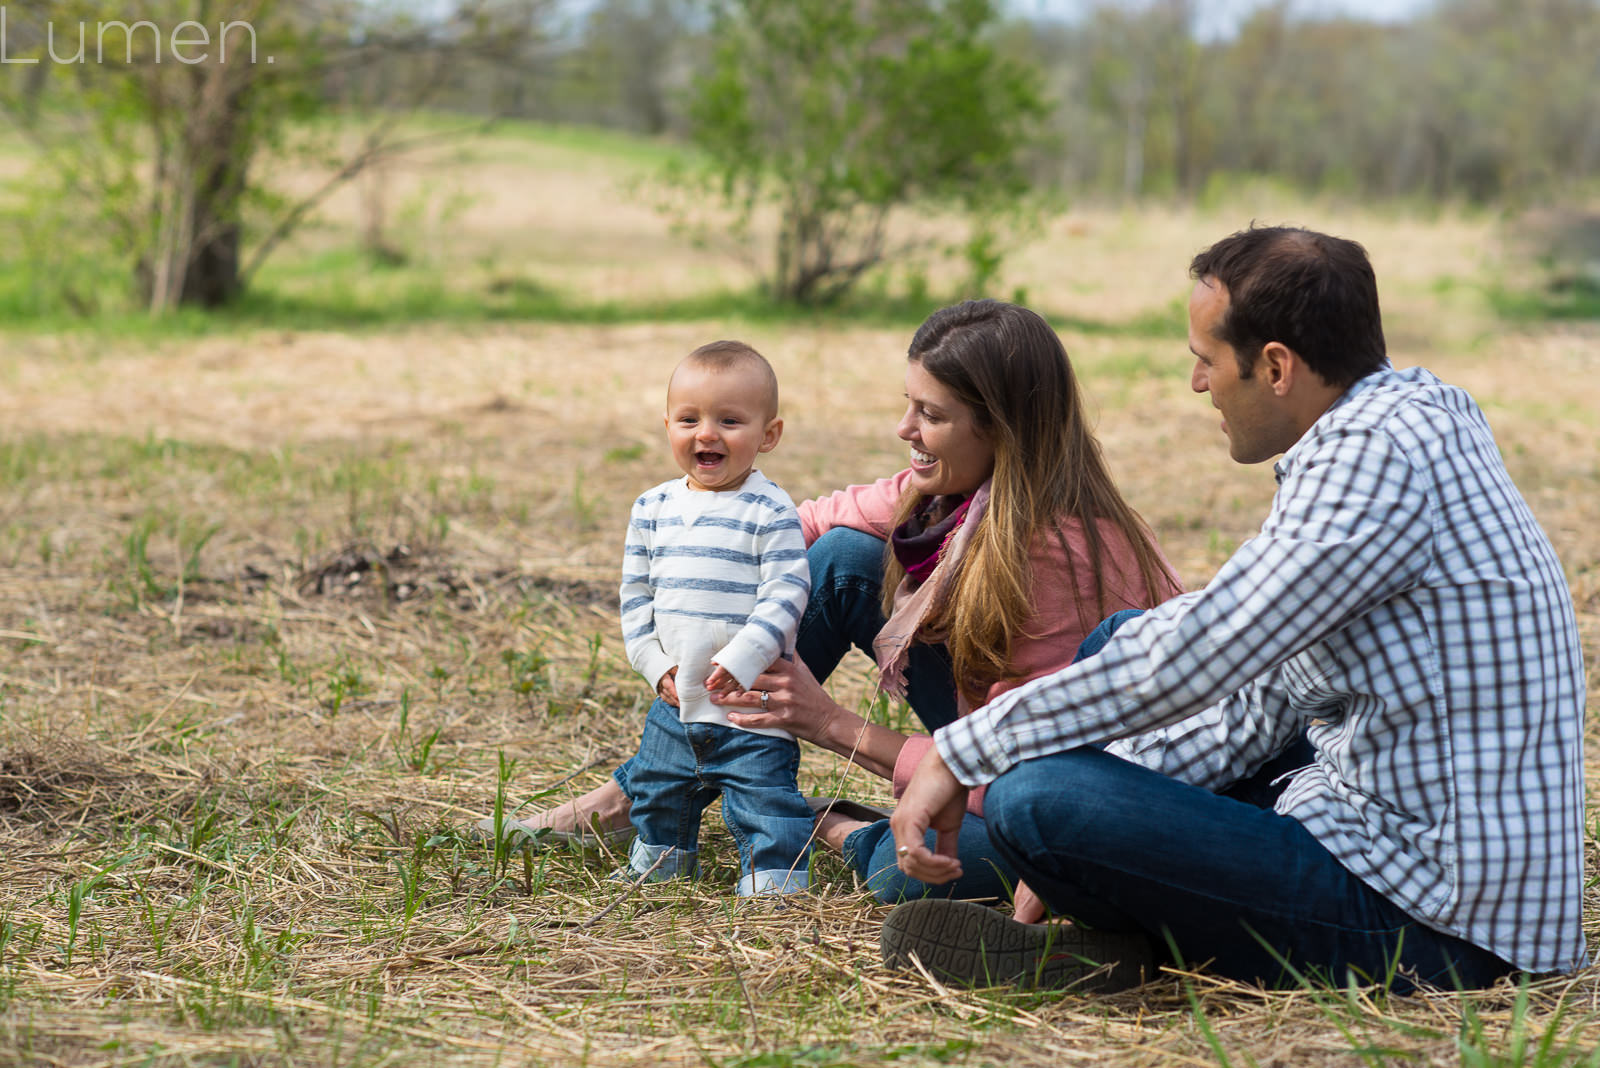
(844, 609)
(886, 882)
(1097, 638)
(869, 852)
(843, 554)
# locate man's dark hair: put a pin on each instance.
(1312, 292)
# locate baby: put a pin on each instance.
(714, 581)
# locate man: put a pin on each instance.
(1356, 753)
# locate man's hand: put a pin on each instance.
(933, 799)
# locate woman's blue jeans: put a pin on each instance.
(1219, 877)
(846, 611)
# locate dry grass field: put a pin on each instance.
(282, 611)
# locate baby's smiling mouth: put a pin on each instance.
(708, 459)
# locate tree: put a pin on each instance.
(838, 113)
(630, 55)
(151, 115)
(147, 120)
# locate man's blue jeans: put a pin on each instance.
(1227, 880)
(682, 767)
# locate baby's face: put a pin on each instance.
(717, 423)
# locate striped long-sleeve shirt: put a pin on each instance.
(712, 578)
(1402, 606)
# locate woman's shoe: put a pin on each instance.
(854, 810)
(537, 839)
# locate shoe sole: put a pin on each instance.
(970, 943)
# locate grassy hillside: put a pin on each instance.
(289, 599)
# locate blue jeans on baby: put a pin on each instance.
(683, 767)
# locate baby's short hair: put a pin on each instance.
(725, 355)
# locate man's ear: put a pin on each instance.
(769, 437)
(1280, 366)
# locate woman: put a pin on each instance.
(1001, 547)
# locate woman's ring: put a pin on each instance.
(903, 850)
(764, 698)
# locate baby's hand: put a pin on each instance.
(719, 681)
(667, 688)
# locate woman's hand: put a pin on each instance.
(796, 702)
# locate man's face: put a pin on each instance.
(1256, 421)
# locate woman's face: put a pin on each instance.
(949, 452)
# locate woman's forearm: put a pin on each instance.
(867, 744)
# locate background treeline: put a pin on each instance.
(1471, 99)
(165, 178)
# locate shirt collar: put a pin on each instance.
(1361, 385)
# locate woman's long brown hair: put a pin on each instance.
(1011, 369)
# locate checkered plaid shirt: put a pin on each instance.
(1402, 606)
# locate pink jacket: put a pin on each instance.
(1054, 631)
